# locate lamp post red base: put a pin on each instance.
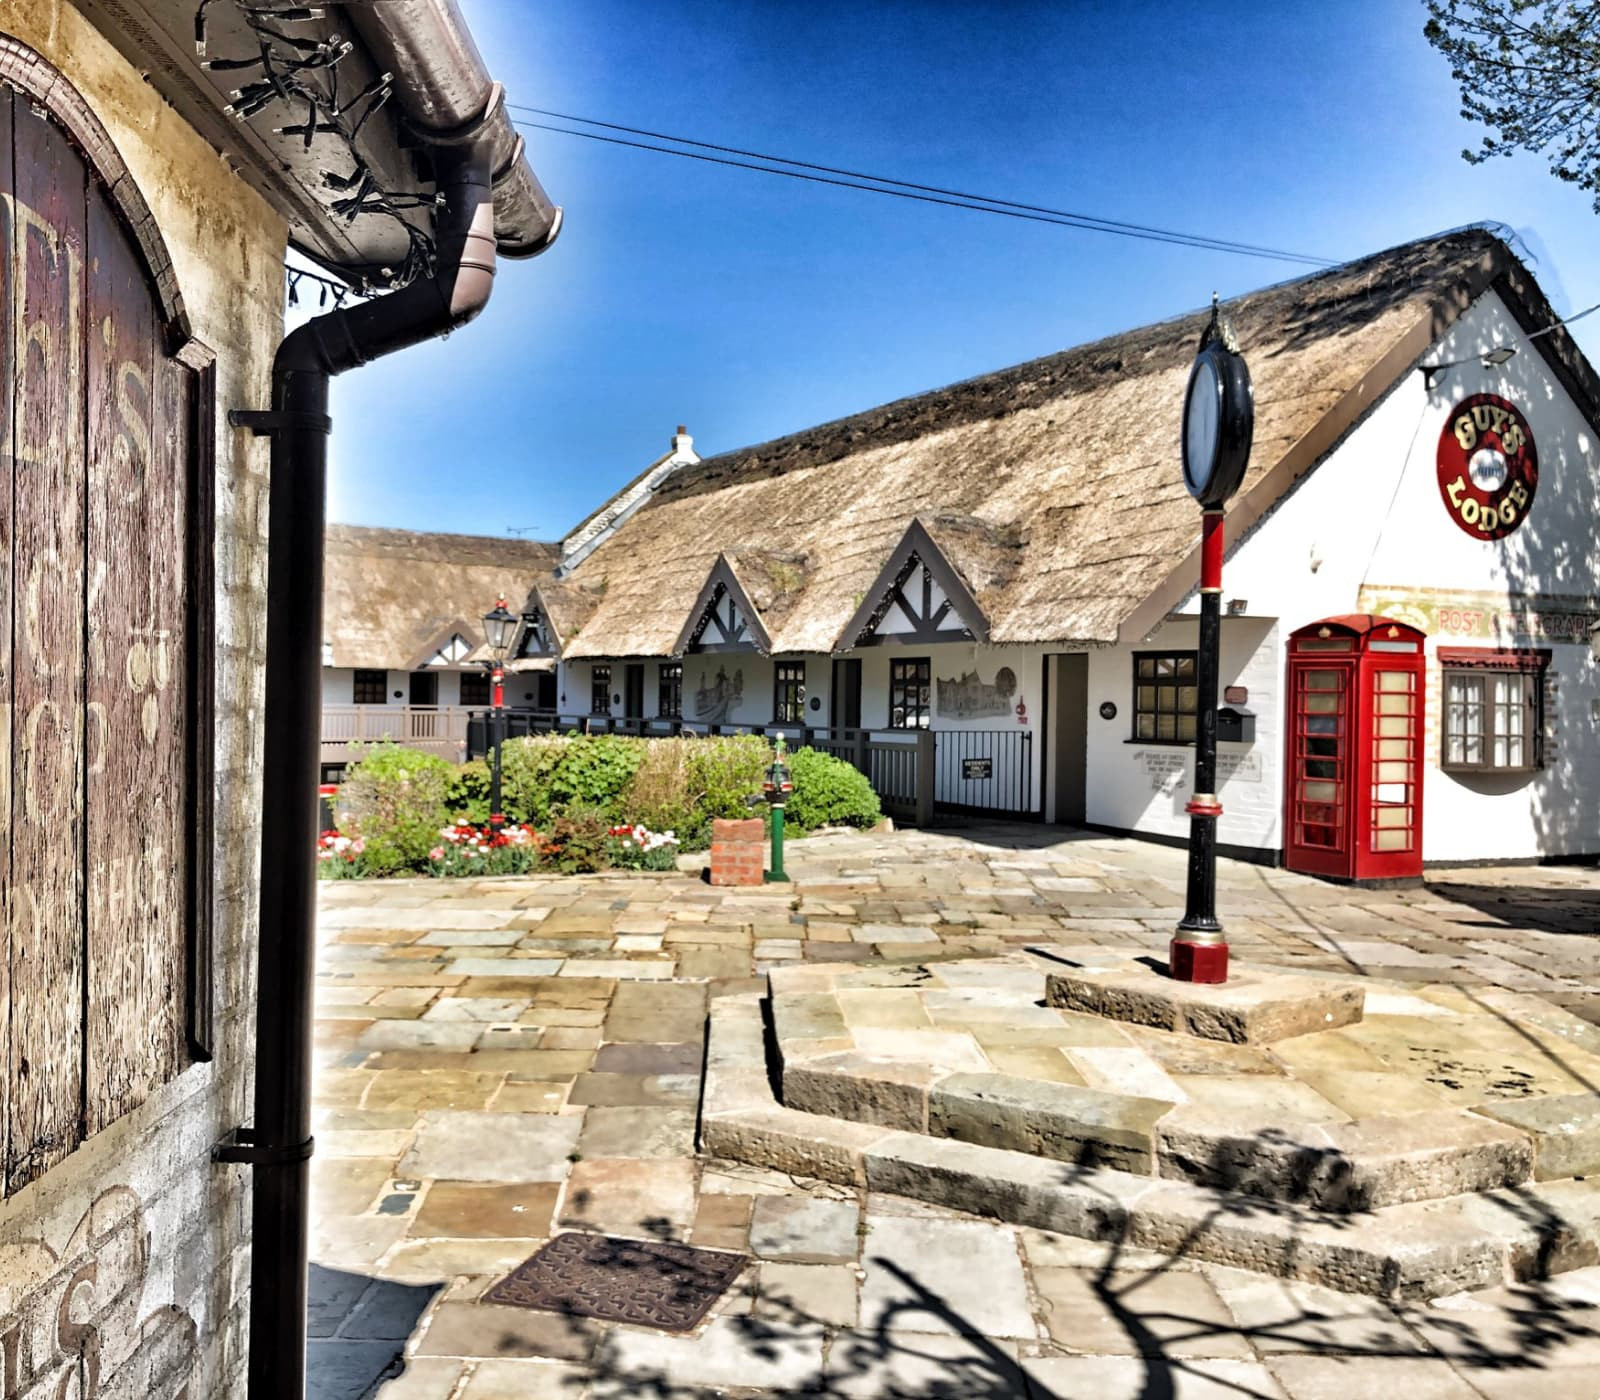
(1197, 962)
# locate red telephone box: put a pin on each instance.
(1353, 794)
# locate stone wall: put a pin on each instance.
(133, 1251)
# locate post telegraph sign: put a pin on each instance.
(1488, 466)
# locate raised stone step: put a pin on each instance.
(907, 1047)
(1255, 1006)
(1414, 1250)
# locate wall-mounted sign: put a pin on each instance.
(1236, 695)
(1507, 619)
(1488, 466)
(977, 768)
(971, 698)
(1108, 709)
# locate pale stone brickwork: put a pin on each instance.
(146, 1231)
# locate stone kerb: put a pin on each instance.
(738, 851)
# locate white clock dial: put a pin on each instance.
(1201, 424)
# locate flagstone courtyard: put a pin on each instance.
(505, 1060)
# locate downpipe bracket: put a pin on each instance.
(241, 1146)
(266, 422)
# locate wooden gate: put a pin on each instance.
(97, 674)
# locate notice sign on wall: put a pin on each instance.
(977, 768)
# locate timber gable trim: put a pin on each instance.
(441, 642)
(748, 633)
(917, 555)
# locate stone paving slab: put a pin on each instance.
(1512, 944)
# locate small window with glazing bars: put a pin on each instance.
(1164, 697)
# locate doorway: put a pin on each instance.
(424, 688)
(633, 691)
(844, 711)
(1069, 738)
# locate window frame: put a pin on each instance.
(788, 692)
(483, 679)
(363, 676)
(669, 690)
(1482, 667)
(901, 684)
(600, 690)
(1176, 681)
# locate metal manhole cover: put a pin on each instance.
(667, 1286)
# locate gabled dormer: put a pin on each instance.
(917, 599)
(535, 637)
(450, 647)
(723, 618)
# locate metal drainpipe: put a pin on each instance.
(278, 1146)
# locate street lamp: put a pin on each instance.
(1218, 420)
(498, 626)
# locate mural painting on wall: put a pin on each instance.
(714, 702)
(70, 1323)
(971, 698)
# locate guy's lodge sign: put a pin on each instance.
(1488, 466)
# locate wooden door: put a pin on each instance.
(1069, 737)
(845, 710)
(96, 659)
(633, 691)
(424, 688)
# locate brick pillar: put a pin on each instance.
(738, 851)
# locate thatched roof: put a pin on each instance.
(391, 598)
(1054, 486)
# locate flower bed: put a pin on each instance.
(574, 804)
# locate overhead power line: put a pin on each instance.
(903, 189)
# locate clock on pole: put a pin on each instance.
(1218, 422)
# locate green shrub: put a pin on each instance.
(593, 770)
(579, 841)
(527, 767)
(396, 801)
(469, 792)
(723, 774)
(829, 792)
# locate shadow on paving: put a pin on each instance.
(356, 1329)
(1138, 1332)
(1557, 909)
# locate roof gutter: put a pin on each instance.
(278, 1144)
(448, 94)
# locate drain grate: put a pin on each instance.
(666, 1286)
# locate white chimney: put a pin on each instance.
(682, 443)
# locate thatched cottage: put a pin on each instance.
(1010, 565)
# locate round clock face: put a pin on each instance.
(1202, 426)
(1488, 466)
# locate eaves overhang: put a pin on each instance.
(442, 93)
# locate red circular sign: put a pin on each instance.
(1488, 466)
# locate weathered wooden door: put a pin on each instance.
(95, 658)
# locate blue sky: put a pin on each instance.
(746, 306)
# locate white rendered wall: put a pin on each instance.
(1368, 531)
(1143, 787)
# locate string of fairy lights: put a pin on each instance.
(301, 72)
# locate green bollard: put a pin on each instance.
(777, 788)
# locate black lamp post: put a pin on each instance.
(1218, 421)
(498, 625)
